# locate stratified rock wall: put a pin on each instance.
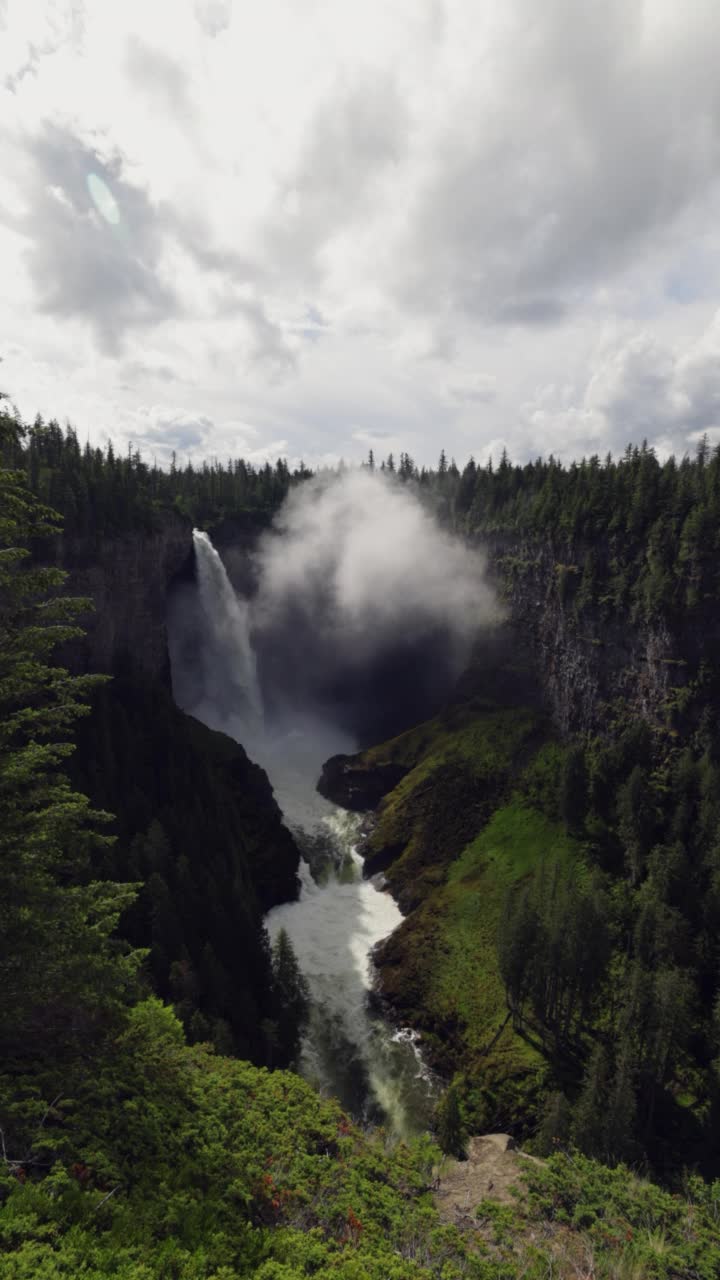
(589, 662)
(127, 577)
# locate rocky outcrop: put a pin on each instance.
(356, 786)
(127, 577)
(142, 758)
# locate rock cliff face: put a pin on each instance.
(586, 662)
(128, 578)
(236, 539)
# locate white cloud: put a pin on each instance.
(213, 15)
(431, 221)
(639, 388)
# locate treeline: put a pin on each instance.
(197, 832)
(98, 491)
(611, 965)
(634, 536)
(191, 821)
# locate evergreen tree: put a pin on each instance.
(635, 821)
(622, 1107)
(589, 1112)
(451, 1134)
(62, 978)
(291, 1000)
(466, 488)
(518, 943)
(555, 1126)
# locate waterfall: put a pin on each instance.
(229, 670)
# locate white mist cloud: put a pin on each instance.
(362, 614)
(363, 554)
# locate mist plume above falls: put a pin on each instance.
(363, 616)
(366, 609)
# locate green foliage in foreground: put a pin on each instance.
(581, 1219)
(165, 1162)
(168, 1162)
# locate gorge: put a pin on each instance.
(282, 703)
(341, 630)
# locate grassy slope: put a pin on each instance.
(466, 978)
(460, 766)
(473, 817)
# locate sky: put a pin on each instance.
(316, 227)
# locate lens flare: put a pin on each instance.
(103, 199)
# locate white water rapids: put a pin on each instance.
(348, 1051)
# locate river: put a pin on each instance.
(375, 1071)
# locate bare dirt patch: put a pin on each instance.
(493, 1172)
(492, 1168)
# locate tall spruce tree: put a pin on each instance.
(451, 1134)
(62, 977)
(589, 1112)
(291, 1001)
(622, 1106)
